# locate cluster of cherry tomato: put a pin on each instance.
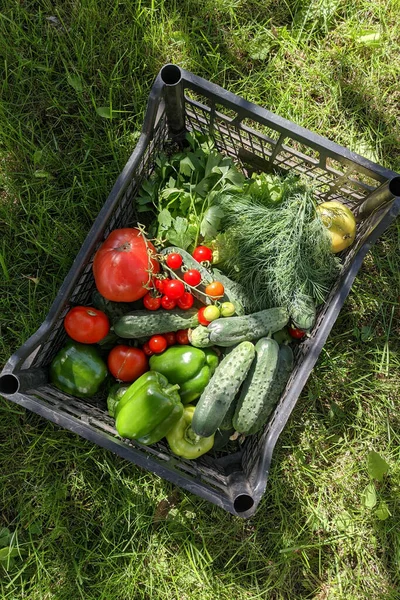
(159, 343)
(171, 293)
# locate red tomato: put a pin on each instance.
(126, 363)
(192, 277)
(186, 301)
(157, 344)
(168, 303)
(170, 337)
(174, 289)
(296, 334)
(86, 325)
(202, 254)
(200, 316)
(122, 265)
(151, 302)
(146, 349)
(215, 289)
(174, 260)
(182, 336)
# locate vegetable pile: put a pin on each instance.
(192, 325)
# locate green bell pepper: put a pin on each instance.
(183, 441)
(189, 367)
(78, 369)
(148, 409)
(115, 395)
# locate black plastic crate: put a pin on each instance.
(258, 140)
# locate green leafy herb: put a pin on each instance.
(279, 251)
(184, 191)
(181, 234)
(211, 221)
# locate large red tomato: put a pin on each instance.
(122, 266)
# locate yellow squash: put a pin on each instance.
(340, 222)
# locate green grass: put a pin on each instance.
(86, 523)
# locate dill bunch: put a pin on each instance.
(280, 252)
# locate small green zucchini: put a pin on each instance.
(222, 388)
(257, 386)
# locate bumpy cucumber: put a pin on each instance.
(303, 313)
(231, 292)
(231, 331)
(257, 386)
(226, 423)
(282, 374)
(221, 390)
(146, 323)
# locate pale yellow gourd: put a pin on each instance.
(340, 222)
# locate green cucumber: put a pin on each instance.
(144, 323)
(221, 390)
(282, 336)
(303, 313)
(257, 386)
(227, 423)
(231, 331)
(282, 374)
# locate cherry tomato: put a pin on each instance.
(168, 303)
(296, 334)
(215, 289)
(186, 301)
(192, 277)
(174, 260)
(151, 302)
(170, 337)
(86, 325)
(147, 350)
(159, 284)
(202, 254)
(211, 313)
(227, 309)
(157, 344)
(201, 317)
(182, 337)
(126, 363)
(174, 289)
